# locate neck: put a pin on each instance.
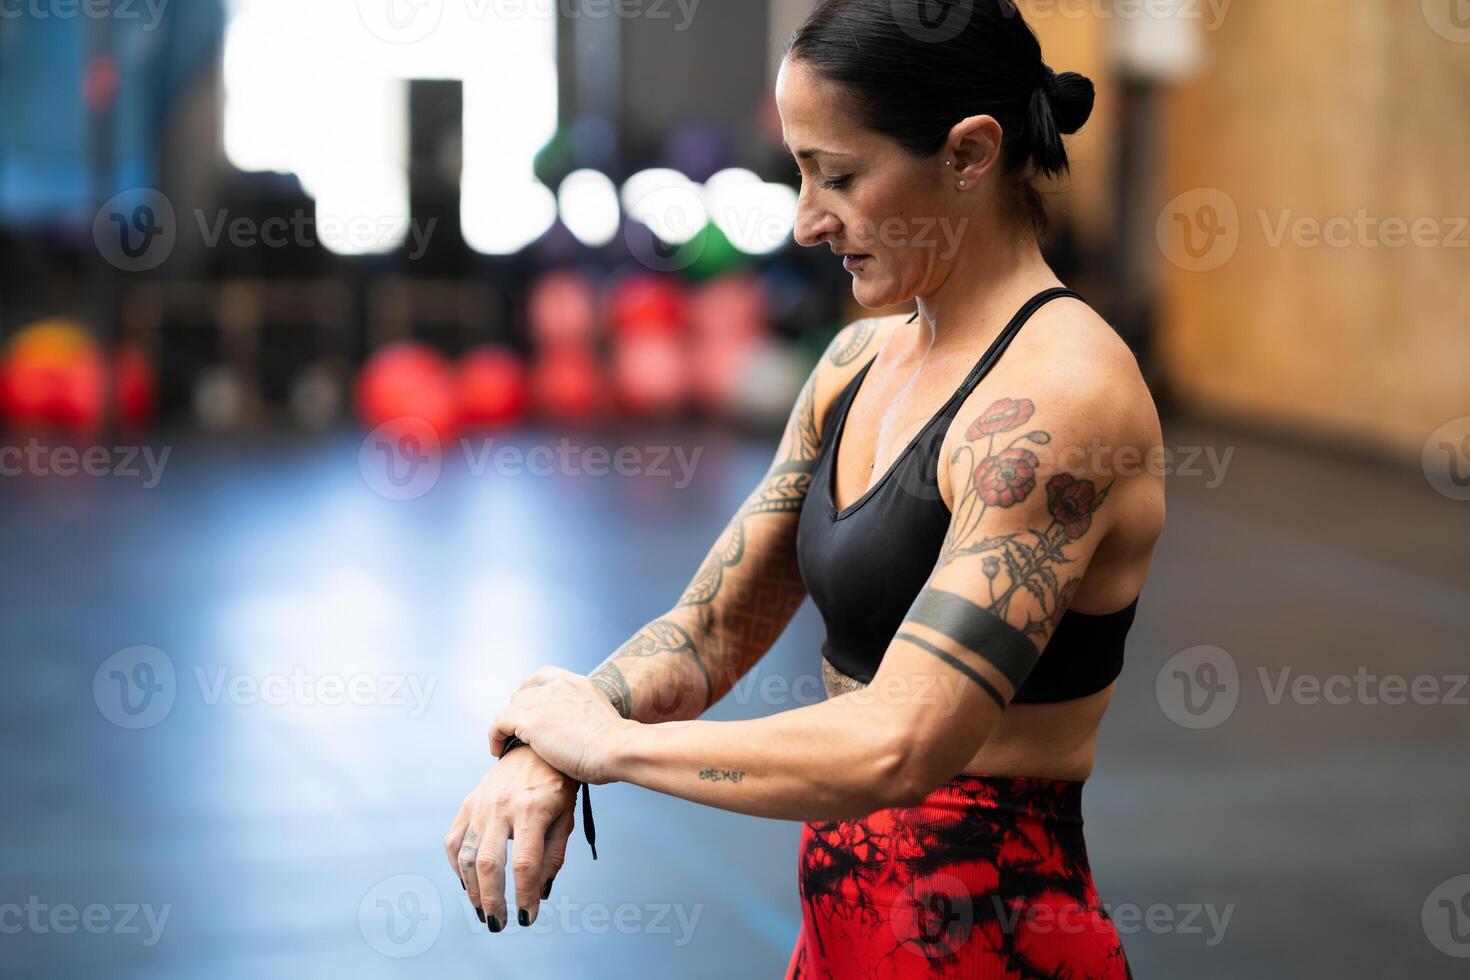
(994, 272)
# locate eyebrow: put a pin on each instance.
(809, 154)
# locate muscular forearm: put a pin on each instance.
(742, 596)
(677, 666)
(837, 759)
(670, 670)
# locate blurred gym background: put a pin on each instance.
(255, 627)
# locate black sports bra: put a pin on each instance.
(864, 564)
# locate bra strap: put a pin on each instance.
(998, 347)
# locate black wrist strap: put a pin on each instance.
(512, 742)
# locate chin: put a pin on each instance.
(872, 295)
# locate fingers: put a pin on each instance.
(464, 863)
(530, 827)
(490, 872)
(453, 841)
(555, 855)
(501, 729)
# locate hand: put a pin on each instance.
(567, 721)
(524, 799)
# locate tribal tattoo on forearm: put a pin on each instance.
(658, 637)
(1013, 563)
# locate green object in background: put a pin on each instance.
(713, 254)
(554, 160)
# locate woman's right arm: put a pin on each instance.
(748, 586)
(678, 665)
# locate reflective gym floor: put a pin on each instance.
(325, 660)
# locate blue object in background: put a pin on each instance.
(46, 156)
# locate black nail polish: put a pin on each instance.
(546, 889)
(463, 885)
(494, 924)
(523, 917)
(480, 912)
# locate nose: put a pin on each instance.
(814, 224)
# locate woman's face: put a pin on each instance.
(863, 195)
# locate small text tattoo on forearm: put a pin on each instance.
(731, 775)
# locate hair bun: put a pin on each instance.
(1072, 97)
(1060, 105)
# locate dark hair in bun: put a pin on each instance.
(915, 68)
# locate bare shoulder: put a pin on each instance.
(1089, 377)
(1068, 397)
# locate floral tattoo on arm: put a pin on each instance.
(1001, 472)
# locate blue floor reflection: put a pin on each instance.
(241, 707)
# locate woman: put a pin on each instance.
(975, 530)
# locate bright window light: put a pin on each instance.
(755, 216)
(318, 89)
(669, 203)
(588, 200)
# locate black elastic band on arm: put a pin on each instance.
(957, 664)
(978, 630)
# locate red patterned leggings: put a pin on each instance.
(987, 878)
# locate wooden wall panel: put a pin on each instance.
(1325, 109)
(1072, 39)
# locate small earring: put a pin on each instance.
(962, 183)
